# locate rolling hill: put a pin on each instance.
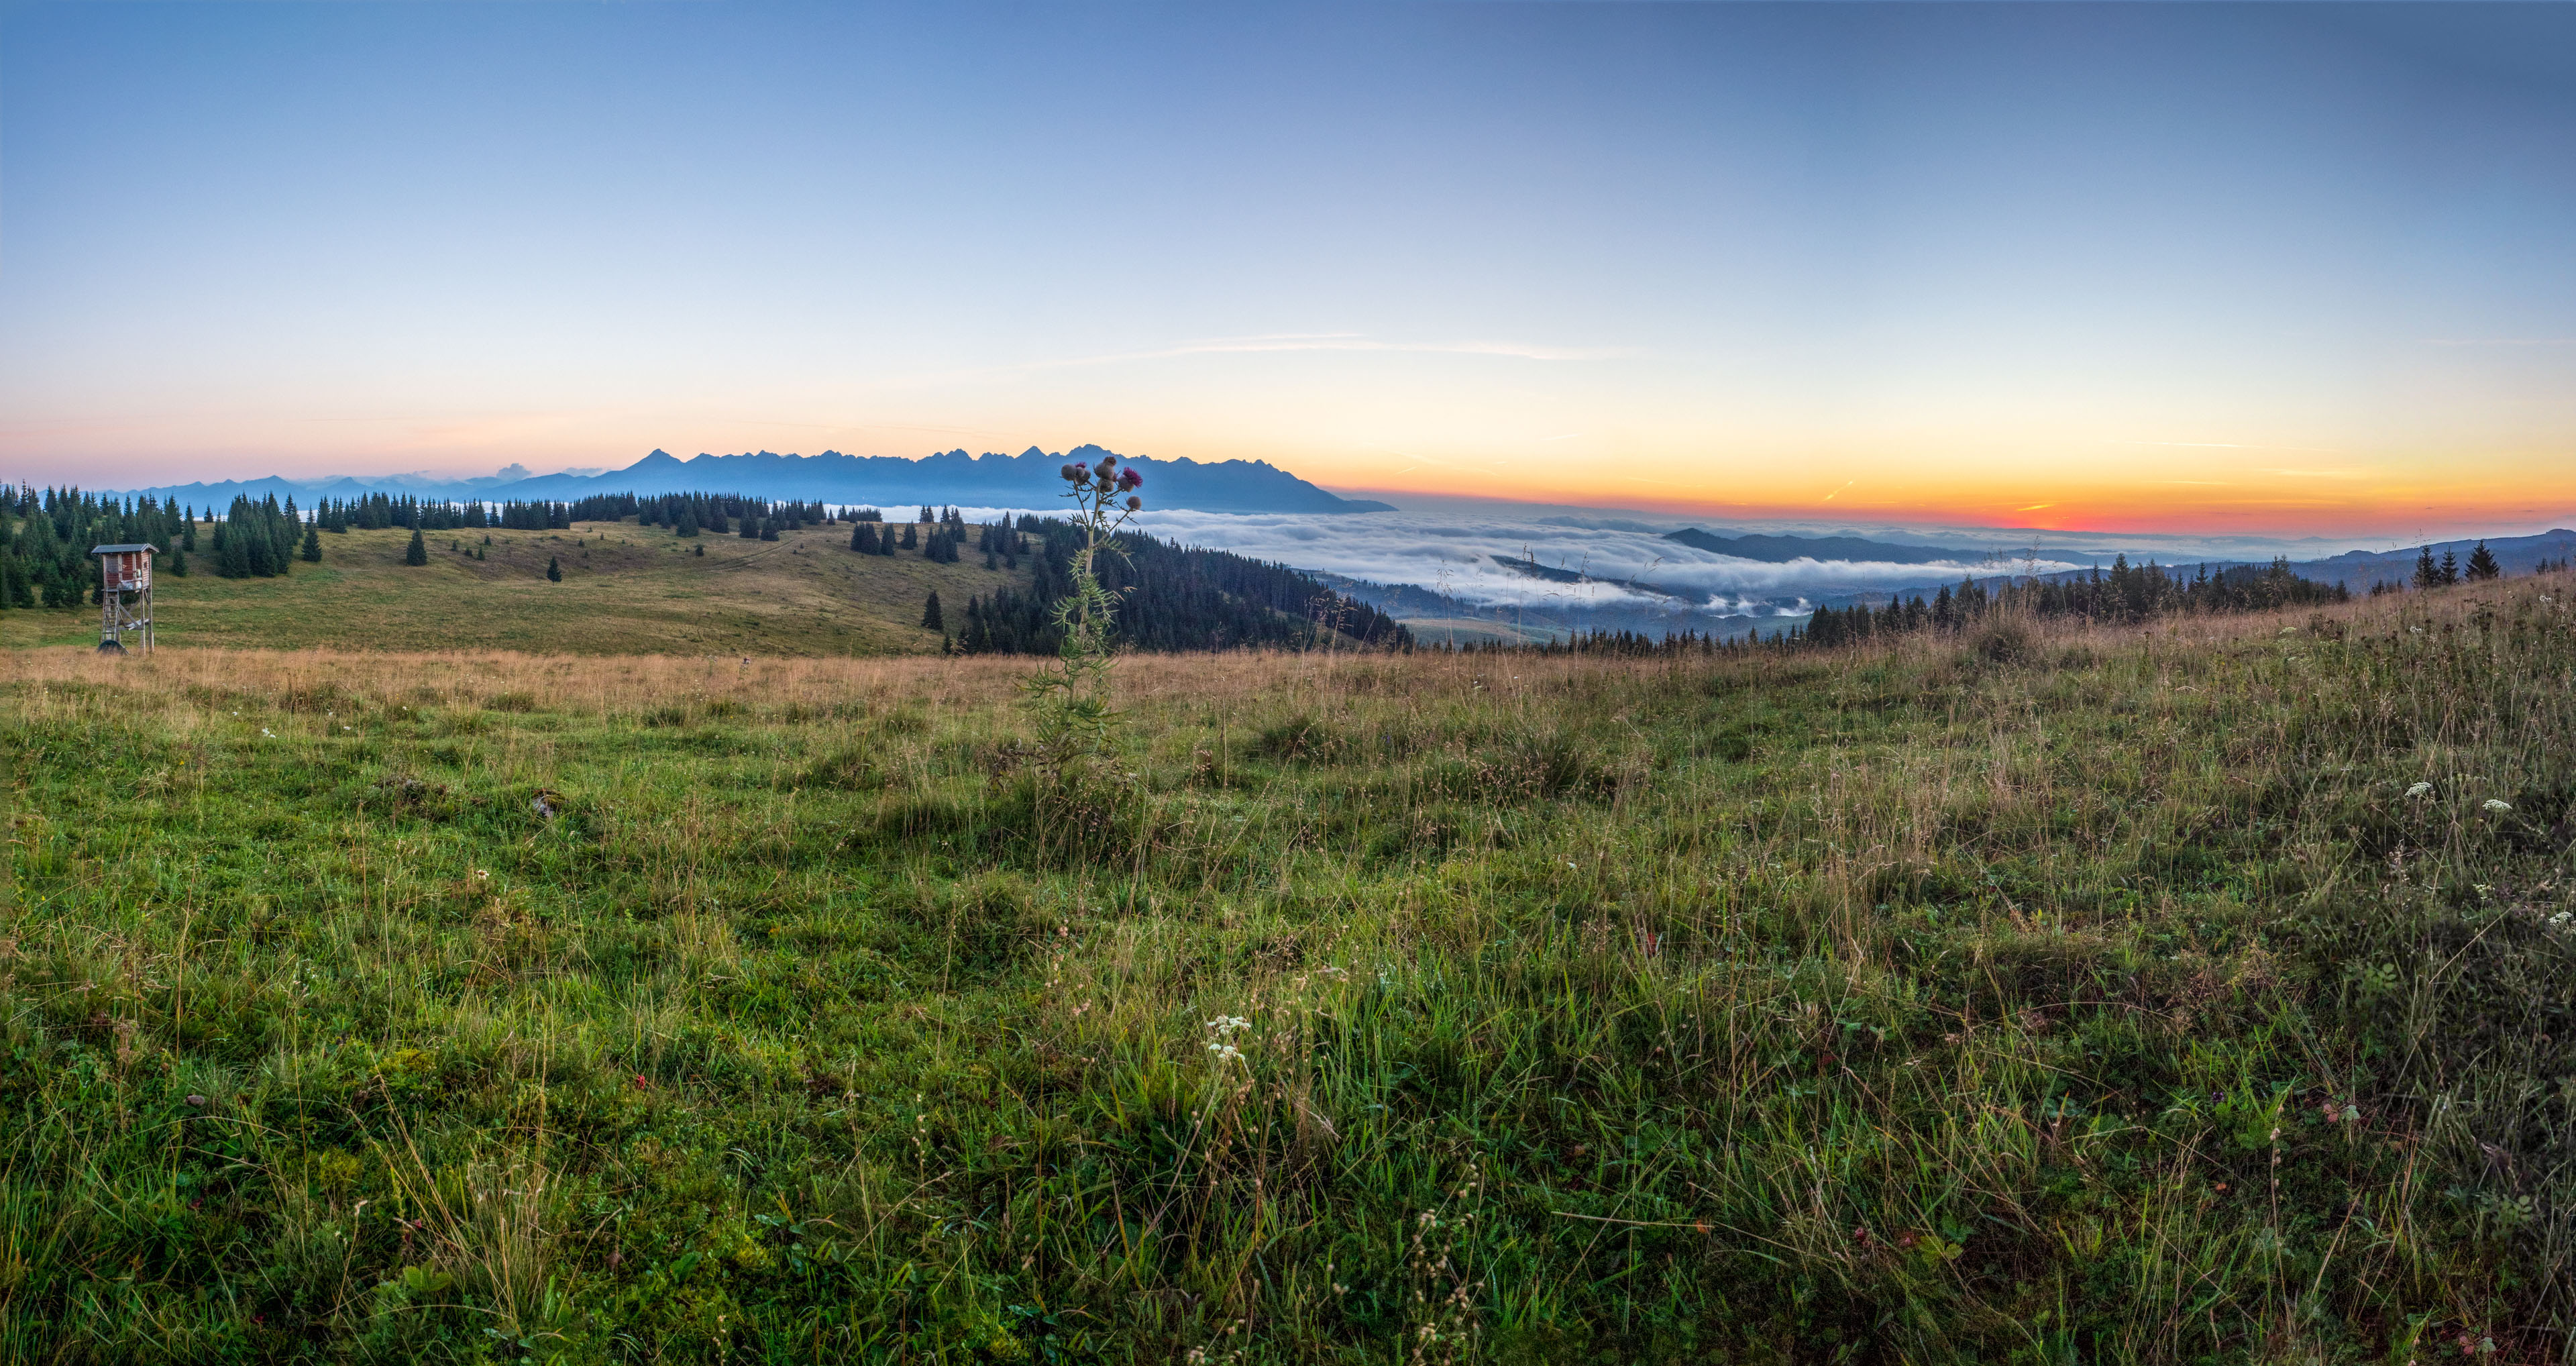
(626, 590)
(631, 589)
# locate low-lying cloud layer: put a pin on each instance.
(1457, 555)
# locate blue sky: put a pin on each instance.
(2289, 268)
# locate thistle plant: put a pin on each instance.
(1070, 700)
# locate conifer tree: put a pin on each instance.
(554, 570)
(930, 618)
(2426, 575)
(2482, 563)
(418, 552)
(2450, 567)
(312, 545)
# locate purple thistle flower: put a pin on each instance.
(1128, 478)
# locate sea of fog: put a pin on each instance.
(1457, 554)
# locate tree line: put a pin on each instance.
(2124, 593)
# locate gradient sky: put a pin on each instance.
(2289, 269)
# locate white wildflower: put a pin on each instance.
(1228, 1024)
(1226, 1052)
(2420, 790)
(2494, 805)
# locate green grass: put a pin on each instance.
(2115, 1004)
(626, 590)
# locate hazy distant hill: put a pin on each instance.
(954, 477)
(2358, 569)
(1785, 549)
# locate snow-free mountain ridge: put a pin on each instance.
(951, 477)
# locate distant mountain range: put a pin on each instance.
(953, 477)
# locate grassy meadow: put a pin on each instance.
(627, 589)
(2198, 993)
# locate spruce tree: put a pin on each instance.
(2482, 563)
(312, 545)
(911, 536)
(930, 618)
(2426, 575)
(554, 570)
(2450, 567)
(418, 552)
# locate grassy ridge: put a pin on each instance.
(2112, 1002)
(626, 590)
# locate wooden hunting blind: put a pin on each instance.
(124, 596)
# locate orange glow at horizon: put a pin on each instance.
(2398, 504)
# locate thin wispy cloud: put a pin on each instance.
(1272, 343)
(2235, 446)
(2500, 341)
(1354, 341)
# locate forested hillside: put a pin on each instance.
(1175, 598)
